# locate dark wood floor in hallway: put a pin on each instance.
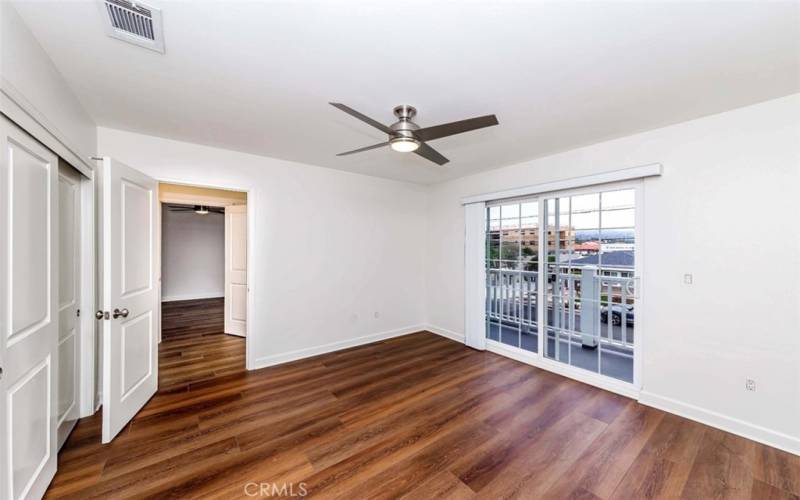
(417, 417)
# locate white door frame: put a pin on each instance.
(88, 286)
(251, 263)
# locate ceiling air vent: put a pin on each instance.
(134, 22)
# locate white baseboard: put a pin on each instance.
(450, 334)
(277, 359)
(195, 296)
(733, 425)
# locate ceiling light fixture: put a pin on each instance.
(404, 144)
(200, 209)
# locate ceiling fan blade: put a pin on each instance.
(453, 128)
(431, 154)
(364, 118)
(366, 148)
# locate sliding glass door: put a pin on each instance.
(565, 264)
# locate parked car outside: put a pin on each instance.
(617, 311)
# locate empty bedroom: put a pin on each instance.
(420, 249)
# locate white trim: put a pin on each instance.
(475, 275)
(733, 425)
(191, 199)
(88, 305)
(587, 377)
(22, 112)
(193, 296)
(625, 174)
(277, 359)
(449, 334)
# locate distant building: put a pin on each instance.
(619, 264)
(529, 236)
(589, 247)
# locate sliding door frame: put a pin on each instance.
(538, 358)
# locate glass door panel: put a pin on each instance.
(590, 291)
(512, 266)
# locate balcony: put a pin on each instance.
(590, 318)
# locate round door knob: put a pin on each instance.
(98, 314)
(118, 313)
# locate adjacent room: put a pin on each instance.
(349, 249)
(203, 283)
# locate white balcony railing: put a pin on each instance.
(580, 307)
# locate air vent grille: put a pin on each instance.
(131, 18)
(134, 22)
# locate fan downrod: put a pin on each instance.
(405, 112)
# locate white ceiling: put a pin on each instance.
(257, 76)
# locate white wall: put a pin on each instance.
(331, 248)
(192, 255)
(725, 210)
(28, 75)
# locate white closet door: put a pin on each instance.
(236, 270)
(475, 275)
(69, 294)
(28, 314)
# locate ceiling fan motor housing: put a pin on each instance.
(404, 128)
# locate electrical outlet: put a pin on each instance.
(750, 385)
(687, 279)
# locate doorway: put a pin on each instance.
(203, 284)
(562, 276)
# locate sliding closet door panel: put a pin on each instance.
(69, 219)
(29, 316)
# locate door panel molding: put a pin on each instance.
(127, 331)
(25, 434)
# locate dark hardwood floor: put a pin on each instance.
(416, 417)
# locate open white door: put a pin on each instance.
(28, 314)
(236, 270)
(129, 293)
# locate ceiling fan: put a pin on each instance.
(198, 209)
(406, 136)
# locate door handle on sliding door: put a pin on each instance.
(117, 313)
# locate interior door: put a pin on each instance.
(28, 314)
(236, 270)
(69, 295)
(129, 293)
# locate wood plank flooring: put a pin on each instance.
(415, 417)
